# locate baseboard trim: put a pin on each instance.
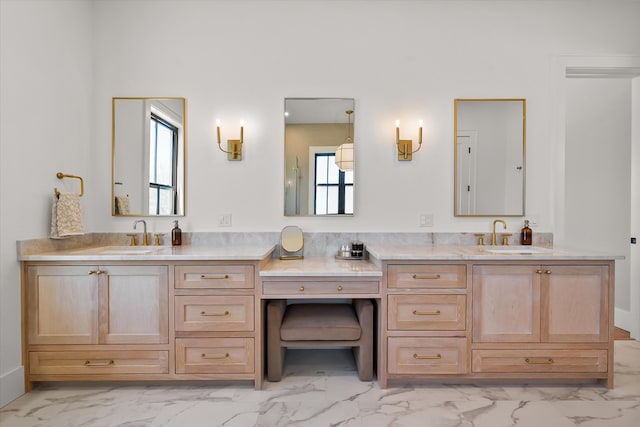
(621, 334)
(11, 385)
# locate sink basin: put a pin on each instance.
(121, 250)
(518, 250)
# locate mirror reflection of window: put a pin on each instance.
(333, 188)
(163, 166)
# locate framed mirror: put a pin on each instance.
(148, 156)
(318, 156)
(489, 157)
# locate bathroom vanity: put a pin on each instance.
(196, 312)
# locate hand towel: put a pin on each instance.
(66, 216)
(122, 205)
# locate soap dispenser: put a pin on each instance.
(176, 235)
(526, 235)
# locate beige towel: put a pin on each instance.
(66, 216)
(122, 205)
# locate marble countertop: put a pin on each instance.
(156, 253)
(325, 266)
(481, 253)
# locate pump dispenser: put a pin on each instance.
(176, 235)
(526, 235)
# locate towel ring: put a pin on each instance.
(61, 175)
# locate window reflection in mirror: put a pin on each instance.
(314, 129)
(489, 160)
(148, 156)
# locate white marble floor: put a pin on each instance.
(321, 388)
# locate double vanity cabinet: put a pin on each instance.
(455, 313)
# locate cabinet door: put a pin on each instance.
(506, 303)
(134, 305)
(62, 305)
(575, 303)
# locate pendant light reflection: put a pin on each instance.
(344, 153)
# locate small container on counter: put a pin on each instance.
(526, 234)
(176, 235)
(357, 249)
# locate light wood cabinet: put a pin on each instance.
(95, 321)
(104, 304)
(540, 320)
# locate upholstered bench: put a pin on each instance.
(318, 325)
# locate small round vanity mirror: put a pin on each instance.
(291, 242)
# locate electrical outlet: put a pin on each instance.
(224, 220)
(426, 220)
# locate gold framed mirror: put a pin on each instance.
(318, 156)
(148, 156)
(489, 157)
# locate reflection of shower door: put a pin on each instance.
(466, 149)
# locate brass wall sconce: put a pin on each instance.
(234, 146)
(405, 146)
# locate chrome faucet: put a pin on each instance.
(493, 234)
(145, 242)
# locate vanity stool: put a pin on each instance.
(320, 325)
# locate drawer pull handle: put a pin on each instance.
(547, 272)
(426, 313)
(96, 272)
(429, 357)
(538, 271)
(548, 361)
(215, 356)
(206, 277)
(301, 288)
(427, 276)
(339, 288)
(204, 313)
(99, 364)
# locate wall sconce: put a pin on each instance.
(405, 146)
(234, 146)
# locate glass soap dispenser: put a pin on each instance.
(176, 235)
(526, 235)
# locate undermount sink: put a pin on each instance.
(121, 250)
(517, 250)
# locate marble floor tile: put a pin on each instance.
(321, 388)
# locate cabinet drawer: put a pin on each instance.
(427, 355)
(420, 276)
(214, 313)
(539, 361)
(214, 355)
(98, 362)
(427, 312)
(214, 276)
(330, 287)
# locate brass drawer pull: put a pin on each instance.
(430, 357)
(339, 288)
(96, 272)
(206, 356)
(204, 313)
(428, 277)
(99, 364)
(426, 313)
(206, 277)
(547, 272)
(301, 288)
(538, 271)
(548, 361)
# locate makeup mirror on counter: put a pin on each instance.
(489, 157)
(291, 243)
(318, 150)
(148, 156)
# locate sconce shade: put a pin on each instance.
(344, 157)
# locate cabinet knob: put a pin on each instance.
(301, 288)
(339, 288)
(547, 272)
(538, 271)
(95, 272)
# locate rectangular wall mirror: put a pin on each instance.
(489, 157)
(318, 156)
(148, 156)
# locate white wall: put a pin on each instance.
(240, 59)
(45, 116)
